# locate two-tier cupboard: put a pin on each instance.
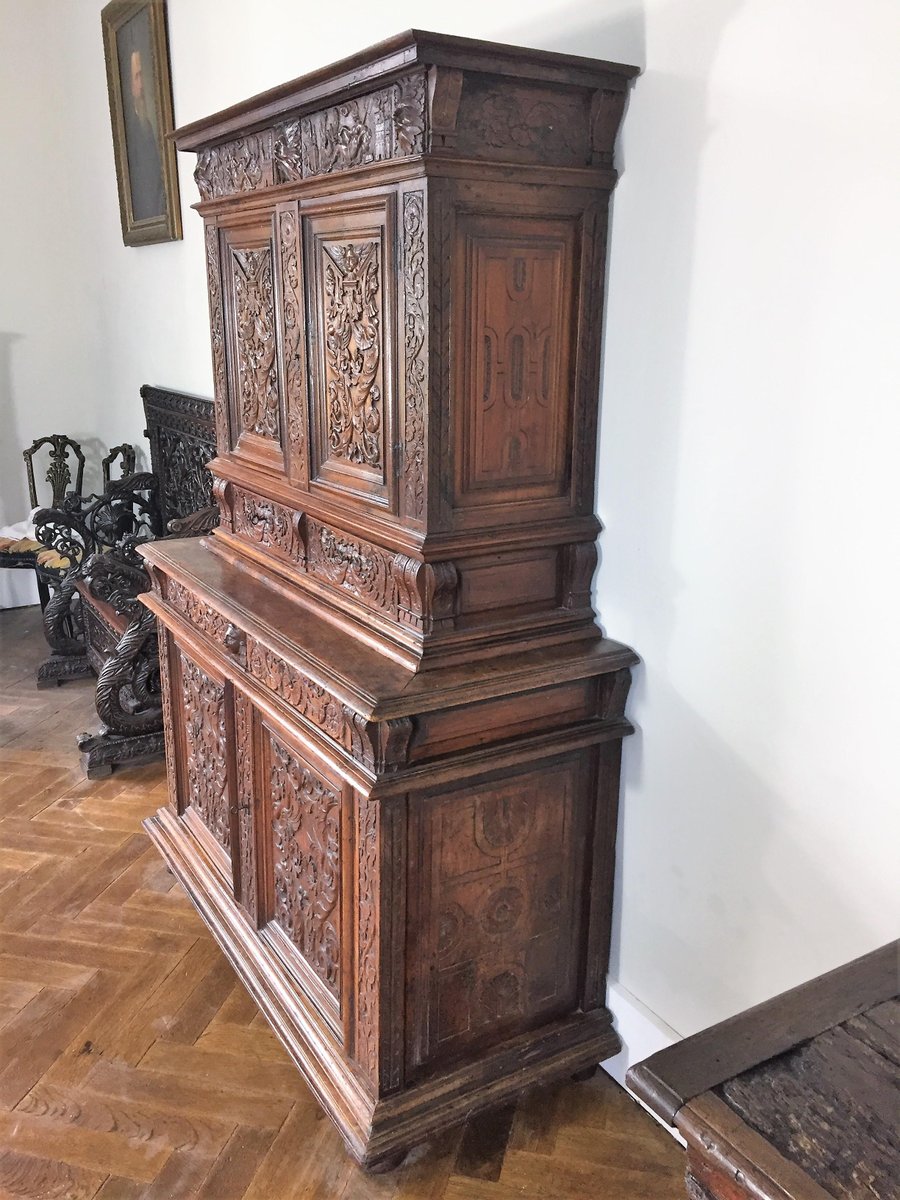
(393, 727)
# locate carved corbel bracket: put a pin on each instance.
(444, 91)
(385, 743)
(579, 562)
(607, 110)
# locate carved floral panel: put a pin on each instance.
(203, 718)
(306, 833)
(353, 377)
(254, 317)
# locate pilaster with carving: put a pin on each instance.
(293, 327)
(415, 349)
(217, 335)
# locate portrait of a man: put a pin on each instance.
(137, 69)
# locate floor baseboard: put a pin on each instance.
(642, 1033)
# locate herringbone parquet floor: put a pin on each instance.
(133, 1064)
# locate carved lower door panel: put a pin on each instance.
(202, 719)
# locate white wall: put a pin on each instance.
(749, 426)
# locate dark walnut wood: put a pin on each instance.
(393, 726)
(795, 1099)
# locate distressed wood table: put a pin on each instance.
(795, 1099)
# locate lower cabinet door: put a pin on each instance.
(290, 821)
(202, 720)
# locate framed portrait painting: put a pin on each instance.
(140, 106)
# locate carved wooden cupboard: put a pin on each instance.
(393, 726)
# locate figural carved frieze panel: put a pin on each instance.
(203, 721)
(388, 123)
(306, 839)
(516, 374)
(254, 324)
(385, 124)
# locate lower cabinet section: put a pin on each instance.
(427, 938)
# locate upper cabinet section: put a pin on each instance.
(406, 256)
(418, 93)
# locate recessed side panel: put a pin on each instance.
(497, 921)
(349, 260)
(514, 385)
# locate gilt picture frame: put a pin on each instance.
(135, 45)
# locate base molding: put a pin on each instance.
(101, 752)
(376, 1131)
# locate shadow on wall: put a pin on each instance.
(765, 865)
(13, 485)
(735, 835)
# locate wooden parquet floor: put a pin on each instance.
(133, 1063)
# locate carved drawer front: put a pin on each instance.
(513, 391)
(253, 365)
(301, 828)
(348, 256)
(496, 910)
(201, 723)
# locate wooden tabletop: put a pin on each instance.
(797, 1098)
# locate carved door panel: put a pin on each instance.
(349, 269)
(515, 283)
(301, 896)
(201, 718)
(255, 412)
(495, 910)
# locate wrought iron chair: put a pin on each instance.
(20, 547)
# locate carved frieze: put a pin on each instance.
(200, 614)
(269, 524)
(523, 123)
(203, 715)
(308, 698)
(376, 577)
(379, 745)
(306, 842)
(388, 123)
(238, 166)
(254, 306)
(415, 353)
(351, 274)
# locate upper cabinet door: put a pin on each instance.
(348, 255)
(252, 371)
